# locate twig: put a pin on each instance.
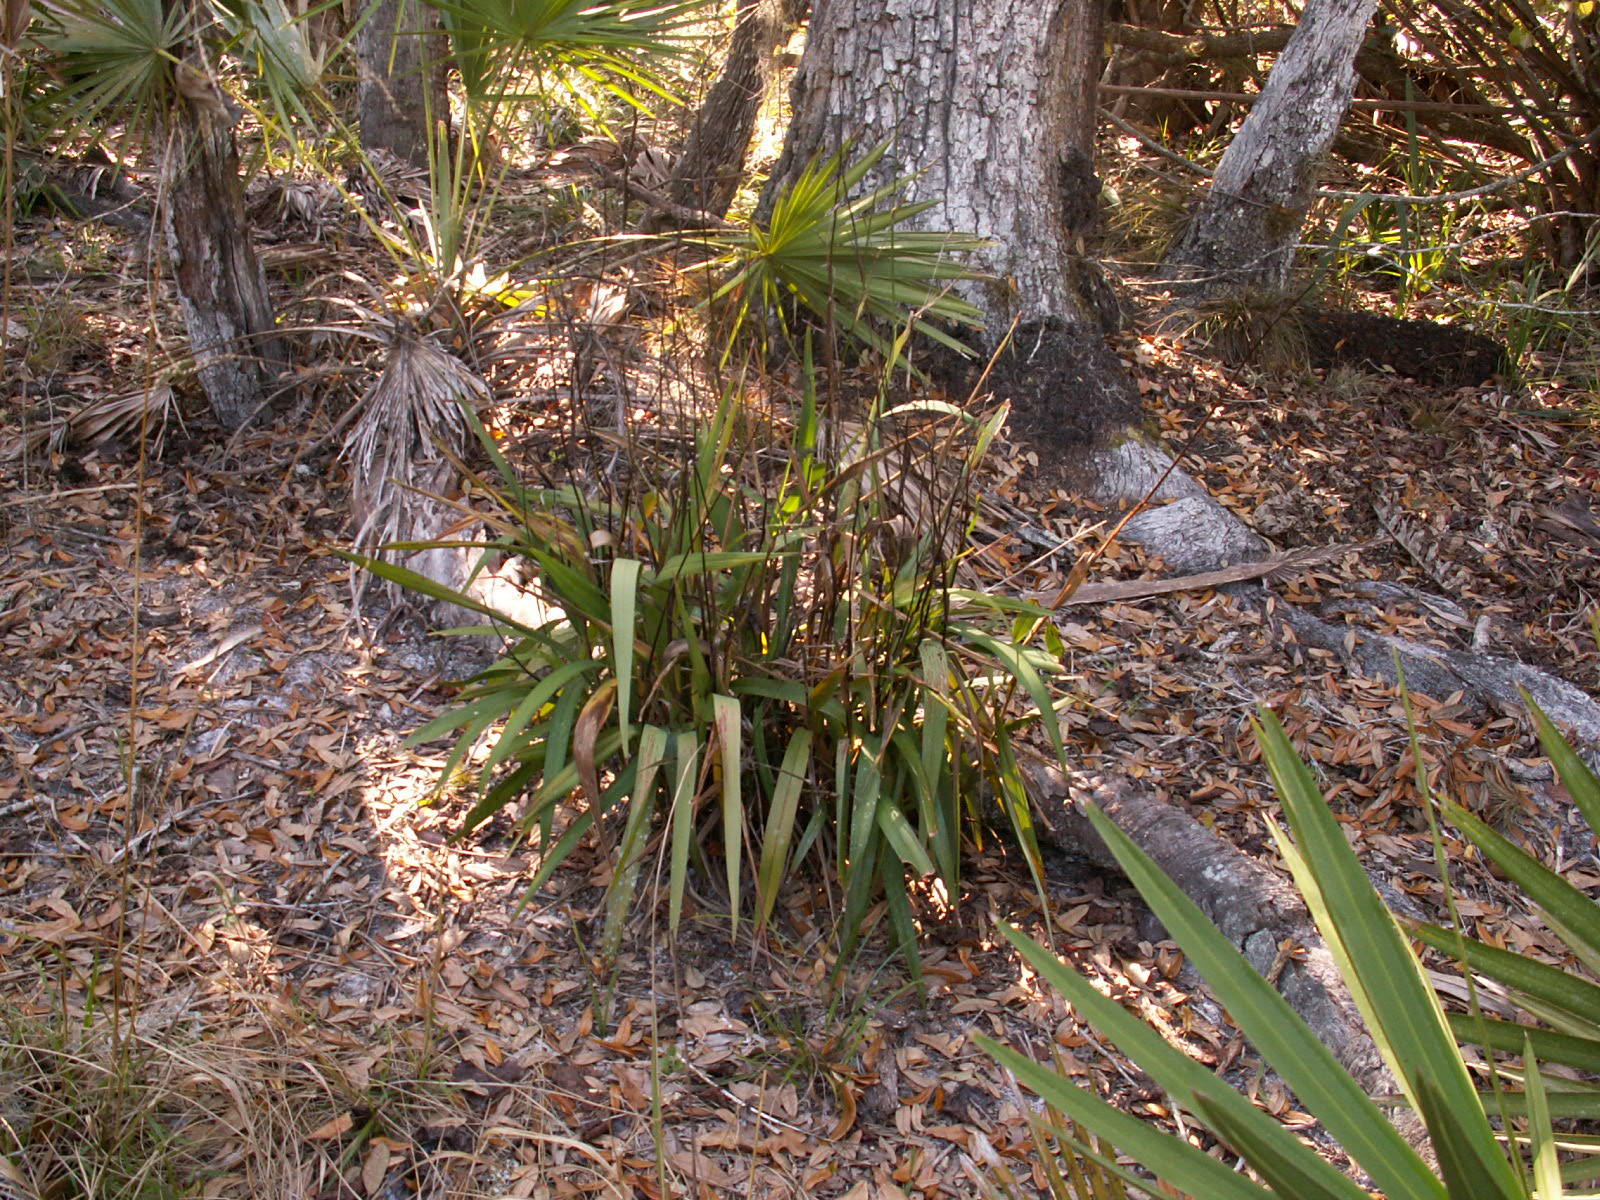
(136, 842)
(52, 497)
(1247, 99)
(1415, 201)
(688, 218)
(231, 642)
(1278, 565)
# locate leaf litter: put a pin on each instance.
(217, 852)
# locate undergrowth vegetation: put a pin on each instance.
(763, 652)
(747, 646)
(1496, 1135)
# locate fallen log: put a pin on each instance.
(1255, 907)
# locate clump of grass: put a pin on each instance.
(1259, 329)
(115, 1105)
(87, 1109)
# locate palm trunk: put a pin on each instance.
(222, 291)
(401, 56)
(707, 172)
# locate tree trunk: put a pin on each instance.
(707, 172)
(222, 291)
(1244, 232)
(978, 101)
(401, 91)
(987, 107)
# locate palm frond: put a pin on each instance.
(123, 415)
(499, 42)
(118, 56)
(403, 449)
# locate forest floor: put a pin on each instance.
(240, 946)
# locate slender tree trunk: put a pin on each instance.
(401, 55)
(1244, 232)
(707, 172)
(222, 291)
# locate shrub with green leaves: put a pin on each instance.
(845, 258)
(1467, 1124)
(753, 659)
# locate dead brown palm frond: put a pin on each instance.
(122, 415)
(403, 450)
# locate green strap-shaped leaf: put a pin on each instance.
(775, 841)
(415, 582)
(630, 851)
(1563, 1106)
(1578, 915)
(1580, 1053)
(1542, 1139)
(902, 837)
(1285, 1174)
(1173, 1161)
(706, 562)
(686, 749)
(1023, 670)
(726, 717)
(1254, 1005)
(1575, 775)
(1542, 982)
(1384, 977)
(537, 697)
(624, 610)
(1472, 1165)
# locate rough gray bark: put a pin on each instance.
(1245, 229)
(222, 291)
(1486, 680)
(977, 97)
(401, 89)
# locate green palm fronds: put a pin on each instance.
(846, 258)
(498, 43)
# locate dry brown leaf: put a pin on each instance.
(336, 1128)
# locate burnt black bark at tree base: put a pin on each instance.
(1068, 390)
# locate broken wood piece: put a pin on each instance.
(1279, 566)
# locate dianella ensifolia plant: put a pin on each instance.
(1471, 1128)
(1549, 1013)
(746, 660)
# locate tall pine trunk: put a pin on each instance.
(1244, 232)
(222, 291)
